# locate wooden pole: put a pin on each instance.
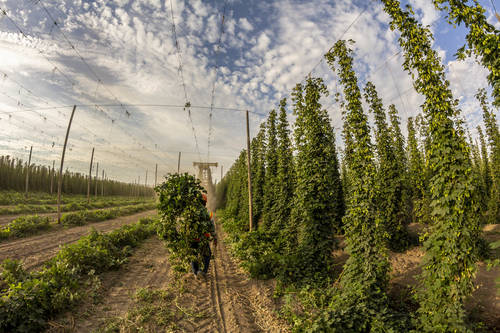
(90, 175)
(146, 181)
(179, 163)
(96, 179)
(102, 184)
(250, 206)
(59, 185)
(52, 178)
(156, 174)
(28, 167)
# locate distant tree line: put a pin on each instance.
(13, 177)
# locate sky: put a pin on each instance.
(119, 62)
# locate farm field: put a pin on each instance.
(250, 166)
(146, 293)
(35, 250)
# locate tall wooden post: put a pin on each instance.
(102, 184)
(59, 185)
(146, 181)
(28, 167)
(96, 179)
(250, 206)
(52, 177)
(138, 185)
(156, 174)
(90, 175)
(179, 163)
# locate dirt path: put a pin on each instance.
(226, 301)
(147, 268)
(34, 251)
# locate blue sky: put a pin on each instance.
(129, 57)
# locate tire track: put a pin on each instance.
(215, 296)
(234, 311)
(34, 251)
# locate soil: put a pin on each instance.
(224, 301)
(484, 304)
(36, 250)
(228, 301)
(147, 268)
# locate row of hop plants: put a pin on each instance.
(25, 226)
(10, 198)
(73, 206)
(29, 299)
(13, 177)
(303, 195)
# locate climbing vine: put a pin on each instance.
(454, 231)
(389, 200)
(483, 39)
(271, 194)
(318, 200)
(361, 305)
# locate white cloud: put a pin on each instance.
(427, 11)
(130, 46)
(244, 24)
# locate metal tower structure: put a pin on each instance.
(205, 176)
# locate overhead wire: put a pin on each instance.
(216, 67)
(45, 117)
(3, 11)
(183, 83)
(94, 73)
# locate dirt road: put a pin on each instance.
(34, 251)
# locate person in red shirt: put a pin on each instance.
(203, 246)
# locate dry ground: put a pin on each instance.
(485, 301)
(34, 251)
(226, 301)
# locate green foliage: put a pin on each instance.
(390, 173)
(85, 217)
(285, 179)
(493, 207)
(31, 299)
(259, 254)
(184, 218)
(485, 168)
(417, 179)
(401, 163)
(25, 226)
(271, 188)
(12, 272)
(318, 204)
(449, 263)
(482, 39)
(258, 160)
(495, 263)
(237, 193)
(361, 304)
